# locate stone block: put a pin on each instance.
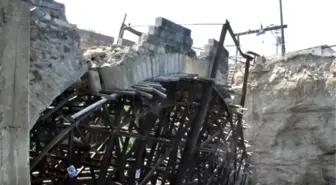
(141, 50)
(160, 49)
(213, 42)
(114, 77)
(208, 48)
(176, 28)
(153, 30)
(94, 81)
(167, 24)
(186, 32)
(188, 41)
(185, 48)
(149, 38)
(149, 46)
(173, 40)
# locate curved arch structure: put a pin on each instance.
(175, 131)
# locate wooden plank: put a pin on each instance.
(14, 88)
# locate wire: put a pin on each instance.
(190, 24)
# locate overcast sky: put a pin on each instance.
(310, 22)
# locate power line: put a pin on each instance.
(258, 30)
(189, 24)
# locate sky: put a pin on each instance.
(309, 21)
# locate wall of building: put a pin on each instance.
(90, 38)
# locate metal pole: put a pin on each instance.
(237, 52)
(121, 31)
(283, 48)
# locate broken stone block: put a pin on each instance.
(94, 81)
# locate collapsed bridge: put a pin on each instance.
(157, 114)
(177, 128)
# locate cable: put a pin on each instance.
(190, 24)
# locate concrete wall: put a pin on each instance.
(14, 117)
(90, 39)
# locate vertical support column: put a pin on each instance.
(14, 89)
(191, 144)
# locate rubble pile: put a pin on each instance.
(291, 108)
(98, 56)
(164, 37)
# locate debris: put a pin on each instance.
(72, 171)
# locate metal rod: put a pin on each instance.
(143, 88)
(215, 62)
(92, 106)
(121, 30)
(244, 88)
(159, 93)
(145, 94)
(132, 30)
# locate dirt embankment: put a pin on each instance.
(291, 109)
